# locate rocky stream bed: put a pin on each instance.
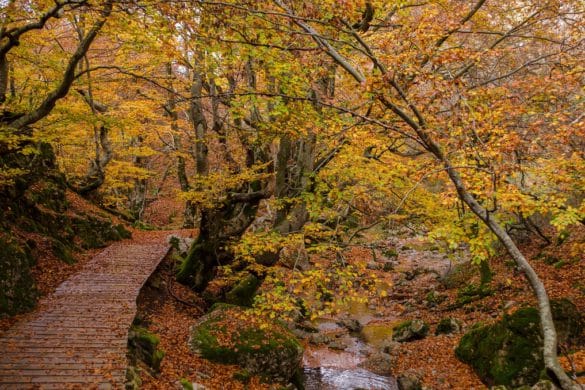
(355, 349)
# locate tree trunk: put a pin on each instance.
(551, 361)
(218, 229)
(189, 213)
(222, 225)
(3, 77)
(138, 195)
(199, 124)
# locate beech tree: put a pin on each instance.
(418, 81)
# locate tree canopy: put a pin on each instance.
(302, 124)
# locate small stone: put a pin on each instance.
(180, 244)
(390, 347)
(448, 326)
(388, 266)
(338, 344)
(410, 330)
(373, 265)
(379, 363)
(509, 304)
(307, 326)
(350, 324)
(409, 381)
(320, 338)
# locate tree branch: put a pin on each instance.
(68, 76)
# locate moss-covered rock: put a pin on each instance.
(473, 292)
(509, 352)
(448, 325)
(410, 330)
(434, 298)
(231, 335)
(143, 346)
(568, 320)
(17, 291)
(62, 251)
(242, 294)
(506, 353)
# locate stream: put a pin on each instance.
(340, 356)
(338, 365)
(324, 378)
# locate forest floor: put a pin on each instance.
(414, 276)
(434, 356)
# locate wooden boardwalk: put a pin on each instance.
(78, 337)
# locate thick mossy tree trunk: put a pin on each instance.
(218, 229)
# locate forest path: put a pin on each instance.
(77, 338)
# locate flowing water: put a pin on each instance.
(324, 378)
(329, 369)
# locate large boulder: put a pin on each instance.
(232, 335)
(509, 352)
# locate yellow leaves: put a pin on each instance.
(510, 198)
(254, 244)
(8, 175)
(565, 217)
(212, 190)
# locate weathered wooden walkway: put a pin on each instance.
(78, 338)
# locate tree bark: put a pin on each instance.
(189, 213)
(199, 124)
(3, 77)
(138, 195)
